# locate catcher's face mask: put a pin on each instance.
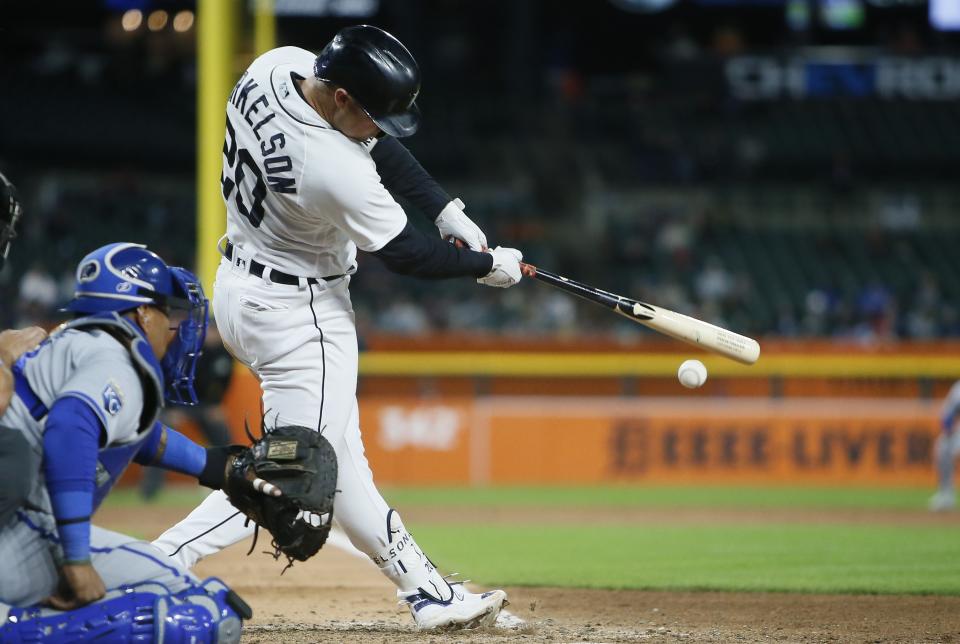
(190, 310)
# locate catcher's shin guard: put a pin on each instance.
(209, 613)
(404, 563)
(119, 617)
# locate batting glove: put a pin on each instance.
(454, 224)
(506, 268)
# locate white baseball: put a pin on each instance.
(692, 374)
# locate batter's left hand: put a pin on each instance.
(80, 584)
(454, 224)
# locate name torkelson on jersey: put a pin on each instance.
(252, 102)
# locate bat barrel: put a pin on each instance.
(704, 335)
(676, 325)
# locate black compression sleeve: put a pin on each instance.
(214, 474)
(413, 253)
(403, 175)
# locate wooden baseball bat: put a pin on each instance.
(678, 326)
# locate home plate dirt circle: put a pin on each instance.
(338, 597)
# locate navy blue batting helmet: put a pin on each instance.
(379, 72)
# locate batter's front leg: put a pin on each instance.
(376, 530)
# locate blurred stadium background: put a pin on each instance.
(784, 168)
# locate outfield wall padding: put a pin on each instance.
(425, 440)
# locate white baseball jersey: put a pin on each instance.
(301, 197)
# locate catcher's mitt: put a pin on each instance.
(303, 464)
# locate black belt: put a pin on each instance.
(256, 268)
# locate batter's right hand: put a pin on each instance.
(80, 584)
(506, 268)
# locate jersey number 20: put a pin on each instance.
(241, 163)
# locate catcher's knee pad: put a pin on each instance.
(209, 613)
(404, 563)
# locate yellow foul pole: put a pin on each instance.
(216, 38)
(264, 26)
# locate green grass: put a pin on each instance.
(797, 558)
(834, 557)
(829, 557)
(664, 497)
(606, 496)
(172, 496)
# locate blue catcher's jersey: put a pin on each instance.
(90, 365)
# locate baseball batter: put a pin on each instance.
(945, 451)
(305, 188)
(86, 404)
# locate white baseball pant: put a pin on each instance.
(301, 343)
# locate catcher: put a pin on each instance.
(85, 406)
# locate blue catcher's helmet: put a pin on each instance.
(120, 277)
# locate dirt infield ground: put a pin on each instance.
(340, 598)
